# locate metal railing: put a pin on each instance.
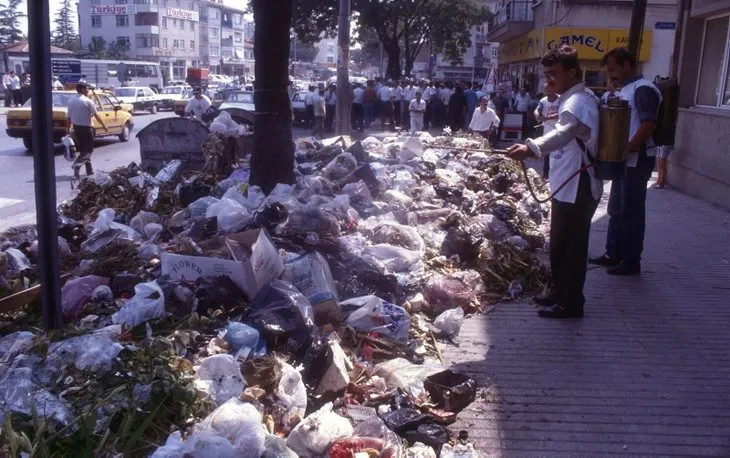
(515, 11)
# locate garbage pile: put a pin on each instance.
(206, 318)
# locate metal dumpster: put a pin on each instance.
(172, 138)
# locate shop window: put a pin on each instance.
(712, 87)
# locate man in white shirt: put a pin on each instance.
(386, 96)
(308, 99)
(320, 111)
(330, 99)
(417, 109)
(484, 119)
(427, 92)
(80, 111)
(15, 88)
(358, 108)
(82, 79)
(56, 83)
(409, 93)
(547, 114)
(571, 147)
(198, 104)
(7, 89)
(398, 105)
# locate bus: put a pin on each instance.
(100, 73)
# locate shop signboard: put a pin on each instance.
(524, 47)
(187, 15)
(104, 10)
(593, 44)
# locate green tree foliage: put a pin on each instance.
(97, 48)
(64, 35)
(117, 49)
(403, 27)
(11, 15)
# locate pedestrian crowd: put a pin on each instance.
(16, 89)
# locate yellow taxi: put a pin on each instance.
(119, 122)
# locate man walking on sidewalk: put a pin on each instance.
(627, 202)
(80, 111)
(573, 206)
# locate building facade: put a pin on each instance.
(700, 163)
(526, 29)
(176, 33)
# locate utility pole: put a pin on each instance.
(343, 70)
(638, 16)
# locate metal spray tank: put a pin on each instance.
(613, 139)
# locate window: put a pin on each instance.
(106, 104)
(164, 43)
(124, 40)
(192, 44)
(214, 32)
(120, 2)
(192, 26)
(215, 14)
(237, 19)
(711, 89)
(164, 22)
(174, 22)
(175, 44)
(182, 44)
(330, 60)
(215, 50)
(182, 24)
(147, 40)
(96, 22)
(238, 36)
(331, 48)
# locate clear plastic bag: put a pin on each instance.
(239, 423)
(105, 221)
(19, 393)
(357, 190)
(392, 258)
(17, 261)
(198, 208)
(220, 377)
(293, 396)
(311, 275)
(340, 167)
(232, 216)
(103, 179)
(373, 314)
(142, 219)
(449, 322)
(148, 303)
(15, 344)
(399, 235)
(169, 171)
(77, 292)
(314, 435)
(93, 352)
(443, 293)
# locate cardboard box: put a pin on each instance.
(256, 262)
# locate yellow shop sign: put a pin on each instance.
(592, 44)
(524, 47)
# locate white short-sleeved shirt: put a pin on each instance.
(80, 110)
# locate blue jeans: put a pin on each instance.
(627, 212)
(369, 108)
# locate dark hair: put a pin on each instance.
(620, 56)
(566, 56)
(81, 88)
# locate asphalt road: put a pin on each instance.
(17, 184)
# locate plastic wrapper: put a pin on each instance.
(304, 220)
(392, 258)
(148, 303)
(459, 451)
(232, 216)
(420, 450)
(69, 148)
(21, 394)
(314, 435)
(340, 167)
(428, 433)
(198, 208)
(357, 190)
(103, 179)
(105, 221)
(93, 352)
(276, 448)
(237, 422)
(398, 235)
(77, 292)
(376, 428)
(244, 340)
(17, 261)
(292, 396)
(219, 376)
(102, 293)
(142, 219)
(282, 315)
(401, 373)
(443, 293)
(169, 171)
(373, 314)
(310, 274)
(449, 322)
(15, 344)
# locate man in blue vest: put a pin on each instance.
(627, 202)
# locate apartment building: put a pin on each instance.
(526, 29)
(176, 33)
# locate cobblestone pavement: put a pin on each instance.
(645, 373)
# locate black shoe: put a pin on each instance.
(625, 269)
(89, 169)
(559, 312)
(547, 300)
(604, 260)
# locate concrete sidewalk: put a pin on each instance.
(645, 373)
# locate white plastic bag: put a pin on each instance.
(148, 303)
(449, 322)
(373, 314)
(340, 167)
(232, 216)
(70, 152)
(220, 377)
(103, 179)
(315, 433)
(392, 258)
(105, 221)
(238, 422)
(142, 219)
(293, 395)
(92, 352)
(15, 344)
(311, 275)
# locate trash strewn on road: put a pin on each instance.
(205, 318)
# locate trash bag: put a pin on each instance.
(401, 373)
(77, 292)
(105, 221)
(190, 192)
(20, 393)
(373, 314)
(449, 322)
(245, 340)
(392, 258)
(219, 376)
(459, 451)
(314, 435)
(102, 293)
(15, 344)
(92, 352)
(17, 261)
(71, 230)
(238, 422)
(428, 433)
(275, 447)
(311, 275)
(232, 216)
(282, 315)
(148, 303)
(340, 167)
(198, 208)
(292, 396)
(420, 450)
(142, 219)
(443, 293)
(398, 234)
(103, 180)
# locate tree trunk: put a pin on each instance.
(394, 70)
(273, 156)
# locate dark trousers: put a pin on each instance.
(17, 97)
(84, 139)
(627, 212)
(329, 120)
(570, 227)
(500, 114)
(369, 113)
(358, 116)
(428, 116)
(310, 115)
(8, 97)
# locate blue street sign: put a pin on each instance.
(665, 25)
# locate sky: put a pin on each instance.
(55, 5)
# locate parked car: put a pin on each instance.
(179, 106)
(141, 98)
(238, 99)
(298, 108)
(169, 95)
(119, 122)
(128, 107)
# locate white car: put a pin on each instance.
(141, 98)
(239, 99)
(169, 94)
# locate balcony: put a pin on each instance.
(147, 8)
(152, 29)
(510, 21)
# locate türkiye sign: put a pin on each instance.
(102, 10)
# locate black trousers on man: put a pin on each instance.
(310, 116)
(84, 139)
(358, 117)
(570, 227)
(329, 120)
